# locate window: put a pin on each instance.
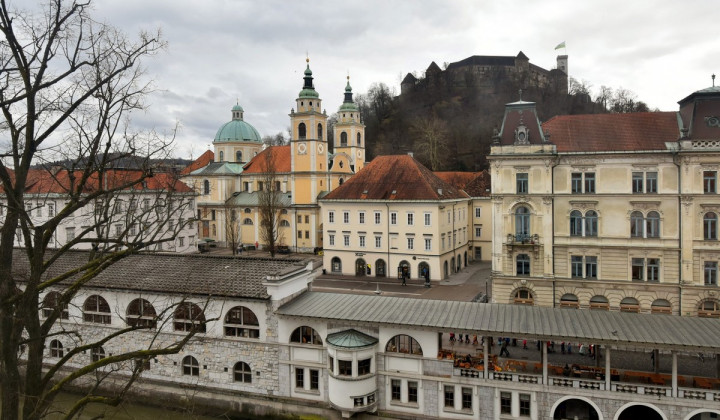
(599, 302)
(97, 353)
(51, 209)
(467, 399)
(361, 240)
(141, 313)
(299, 234)
(314, 379)
(638, 269)
(241, 322)
(331, 239)
(51, 303)
(307, 218)
(96, 310)
(343, 139)
(636, 224)
(661, 306)
(449, 396)
(523, 265)
(569, 300)
(70, 233)
(238, 156)
(403, 344)
(711, 273)
(576, 266)
(319, 131)
(188, 317)
(410, 219)
(521, 183)
(302, 131)
(284, 223)
(637, 182)
(361, 217)
(346, 217)
(629, 304)
(591, 267)
(590, 183)
(576, 183)
(345, 367)
(525, 404)
(305, 335)
(346, 240)
(299, 377)
(652, 223)
(575, 223)
(307, 234)
(651, 182)
(478, 232)
(710, 231)
(410, 243)
(523, 297)
(378, 241)
(247, 221)
(206, 187)
(710, 182)
(395, 393)
(428, 244)
(427, 219)
(477, 211)
(242, 373)
(393, 218)
(377, 217)
(522, 224)
(591, 223)
(331, 217)
(190, 366)
(505, 403)
(709, 309)
(653, 269)
(222, 156)
(364, 366)
(56, 349)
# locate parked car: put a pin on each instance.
(283, 249)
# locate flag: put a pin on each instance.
(560, 45)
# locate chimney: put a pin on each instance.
(410, 154)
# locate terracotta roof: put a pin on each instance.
(45, 181)
(395, 177)
(480, 186)
(200, 162)
(184, 274)
(457, 179)
(613, 132)
(281, 157)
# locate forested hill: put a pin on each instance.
(450, 129)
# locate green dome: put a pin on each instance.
(237, 129)
(348, 103)
(308, 90)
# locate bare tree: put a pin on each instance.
(431, 140)
(67, 87)
(276, 140)
(625, 101)
(232, 226)
(270, 202)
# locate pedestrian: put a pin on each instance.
(475, 340)
(581, 350)
(452, 337)
(652, 359)
(524, 344)
(562, 347)
(467, 338)
(592, 351)
(404, 278)
(569, 347)
(503, 349)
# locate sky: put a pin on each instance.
(223, 52)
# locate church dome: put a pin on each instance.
(237, 129)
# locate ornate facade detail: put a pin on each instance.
(645, 205)
(583, 161)
(713, 121)
(547, 200)
(582, 168)
(583, 205)
(704, 208)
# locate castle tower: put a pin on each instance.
(308, 144)
(350, 132)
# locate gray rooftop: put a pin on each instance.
(219, 168)
(172, 273)
(601, 327)
(244, 198)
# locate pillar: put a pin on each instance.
(544, 363)
(607, 368)
(674, 374)
(486, 358)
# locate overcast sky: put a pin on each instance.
(223, 51)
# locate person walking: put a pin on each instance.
(562, 347)
(404, 279)
(504, 350)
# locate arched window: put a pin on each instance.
(575, 223)
(336, 265)
(284, 223)
(247, 221)
(599, 302)
(222, 156)
(652, 224)
(359, 139)
(242, 373)
(56, 349)
(522, 224)
(51, 303)
(302, 131)
(97, 353)
(141, 313)
(403, 344)
(591, 223)
(190, 366)
(709, 309)
(242, 322)
(629, 304)
(96, 309)
(523, 265)
(343, 139)
(188, 316)
(247, 210)
(636, 224)
(305, 335)
(238, 156)
(569, 300)
(319, 132)
(661, 306)
(283, 211)
(710, 231)
(523, 297)
(206, 187)
(341, 180)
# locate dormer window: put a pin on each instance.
(522, 135)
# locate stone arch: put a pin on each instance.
(570, 397)
(700, 411)
(380, 268)
(620, 411)
(523, 296)
(360, 267)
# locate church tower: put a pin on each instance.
(308, 144)
(350, 133)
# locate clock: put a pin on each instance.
(302, 148)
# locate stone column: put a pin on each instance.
(486, 358)
(607, 368)
(674, 374)
(544, 363)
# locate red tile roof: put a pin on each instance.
(480, 186)
(613, 132)
(200, 162)
(44, 181)
(457, 179)
(395, 177)
(281, 157)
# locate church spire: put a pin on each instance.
(308, 90)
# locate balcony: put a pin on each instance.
(525, 241)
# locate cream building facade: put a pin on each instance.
(609, 211)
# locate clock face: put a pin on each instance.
(302, 148)
(320, 148)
